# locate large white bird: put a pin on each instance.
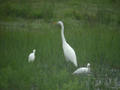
(31, 56)
(69, 52)
(83, 70)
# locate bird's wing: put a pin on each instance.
(81, 70)
(70, 53)
(31, 55)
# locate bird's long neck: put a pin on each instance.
(34, 52)
(88, 68)
(62, 33)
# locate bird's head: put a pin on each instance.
(60, 22)
(88, 65)
(34, 50)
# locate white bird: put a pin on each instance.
(83, 70)
(31, 56)
(69, 52)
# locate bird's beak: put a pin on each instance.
(54, 22)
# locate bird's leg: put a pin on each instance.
(69, 67)
(88, 81)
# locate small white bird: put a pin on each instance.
(69, 52)
(31, 56)
(83, 70)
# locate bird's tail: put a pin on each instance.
(75, 63)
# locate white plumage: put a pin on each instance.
(31, 56)
(83, 70)
(69, 52)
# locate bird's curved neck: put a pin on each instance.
(88, 67)
(62, 33)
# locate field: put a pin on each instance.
(92, 28)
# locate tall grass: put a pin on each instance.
(92, 31)
(95, 45)
(28, 10)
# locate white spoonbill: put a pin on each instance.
(31, 56)
(83, 70)
(69, 52)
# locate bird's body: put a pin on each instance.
(83, 70)
(69, 52)
(31, 56)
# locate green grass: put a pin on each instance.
(90, 28)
